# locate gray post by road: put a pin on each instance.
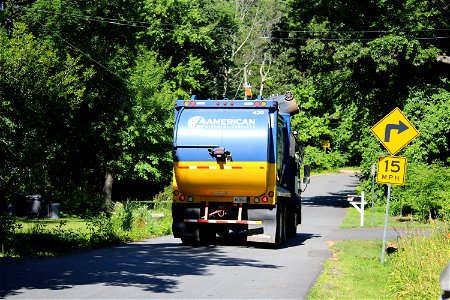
(373, 189)
(383, 250)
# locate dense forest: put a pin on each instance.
(87, 87)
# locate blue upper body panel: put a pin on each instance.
(246, 132)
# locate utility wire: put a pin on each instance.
(172, 27)
(88, 56)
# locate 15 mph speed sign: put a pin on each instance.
(391, 170)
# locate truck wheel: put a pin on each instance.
(291, 222)
(280, 236)
(285, 219)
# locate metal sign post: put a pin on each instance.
(383, 250)
(373, 190)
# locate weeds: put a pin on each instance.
(355, 270)
(124, 222)
(418, 264)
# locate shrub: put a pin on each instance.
(320, 160)
(8, 228)
(426, 193)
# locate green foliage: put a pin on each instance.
(429, 108)
(163, 200)
(145, 138)
(101, 231)
(426, 193)
(36, 87)
(320, 160)
(89, 86)
(125, 222)
(8, 228)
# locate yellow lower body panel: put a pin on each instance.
(212, 181)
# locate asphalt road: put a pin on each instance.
(162, 268)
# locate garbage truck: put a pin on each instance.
(236, 170)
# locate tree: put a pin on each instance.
(359, 60)
(250, 51)
(40, 94)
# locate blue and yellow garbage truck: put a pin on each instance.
(236, 169)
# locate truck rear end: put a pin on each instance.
(234, 171)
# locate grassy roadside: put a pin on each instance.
(125, 222)
(353, 219)
(412, 272)
(354, 272)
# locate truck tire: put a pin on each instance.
(281, 232)
(291, 222)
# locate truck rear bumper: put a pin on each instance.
(258, 224)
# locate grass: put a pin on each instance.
(412, 272)
(418, 264)
(354, 272)
(352, 219)
(126, 222)
(71, 223)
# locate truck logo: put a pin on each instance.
(196, 122)
(199, 122)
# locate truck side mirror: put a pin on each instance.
(306, 174)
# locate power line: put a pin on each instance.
(172, 27)
(88, 56)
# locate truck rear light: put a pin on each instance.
(190, 199)
(271, 194)
(176, 192)
(263, 103)
(182, 198)
(256, 200)
(256, 103)
(192, 103)
(265, 199)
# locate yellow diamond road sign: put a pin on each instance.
(395, 131)
(391, 170)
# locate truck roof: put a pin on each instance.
(284, 103)
(226, 103)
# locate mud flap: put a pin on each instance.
(267, 231)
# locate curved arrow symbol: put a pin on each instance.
(400, 127)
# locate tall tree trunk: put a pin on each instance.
(263, 76)
(107, 188)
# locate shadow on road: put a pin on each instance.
(338, 200)
(152, 267)
(330, 191)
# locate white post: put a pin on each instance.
(362, 209)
